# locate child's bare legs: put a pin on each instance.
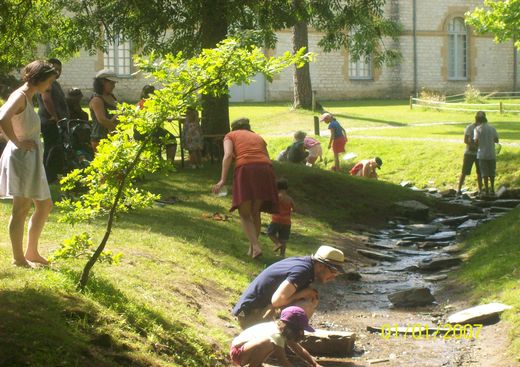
(283, 246)
(255, 352)
(311, 160)
(336, 161)
(42, 208)
(250, 224)
(277, 243)
(19, 212)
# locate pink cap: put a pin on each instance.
(296, 316)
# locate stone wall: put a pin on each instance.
(490, 66)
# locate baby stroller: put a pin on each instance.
(74, 151)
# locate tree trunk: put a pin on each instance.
(302, 76)
(215, 110)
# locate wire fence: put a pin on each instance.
(500, 102)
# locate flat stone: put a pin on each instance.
(403, 269)
(498, 209)
(477, 216)
(436, 278)
(412, 297)
(507, 203)
(432, 190)
(405, 243)
(376, 255)
(454, 221)
(452, 249)
(483, 203)
(448, 193)
(380, 245)
(409, 252)
(438, 263)
(432, 244)
(413, 209)
(422, 229)
(478, 314)
(469, 224)
(406, 183)
(442, 236)
(501, 191)
(415, 237)
(329, 343)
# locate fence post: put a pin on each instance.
(411, 102)
(501, 107)
(316, 126)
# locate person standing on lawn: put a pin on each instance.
(254, 182)
(485, 137)
(338, 137)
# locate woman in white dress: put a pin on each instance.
(22, 175)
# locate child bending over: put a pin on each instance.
(255, 344)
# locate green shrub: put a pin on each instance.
(472, 95)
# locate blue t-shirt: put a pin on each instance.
(299, 271)
(338, 130)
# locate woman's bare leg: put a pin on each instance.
(248, 225)
(19, 212)
(36, 223)
(256, 352)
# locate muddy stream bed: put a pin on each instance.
(410, 254)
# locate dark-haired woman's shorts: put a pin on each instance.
(469, 159)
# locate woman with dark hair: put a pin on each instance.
(22, 175)
(102, 104)
(254, 182)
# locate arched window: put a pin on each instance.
(457, 50)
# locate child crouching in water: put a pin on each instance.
(255, 344)
(279, 229)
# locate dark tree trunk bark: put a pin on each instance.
(215, 110)
(302, 76)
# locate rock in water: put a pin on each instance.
(412, 297)
(376, 255)
(329, 343)
(478, 314)
(438, 263)
(442, 236)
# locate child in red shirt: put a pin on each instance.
(280, 227)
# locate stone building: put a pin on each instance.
(439, 52)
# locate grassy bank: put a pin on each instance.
(492, 272)
(178, 278)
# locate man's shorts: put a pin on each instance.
(469, 159)
(315, 151)
(282, 231)
(338, 144)
(488, 167)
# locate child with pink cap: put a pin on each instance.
(256, 343)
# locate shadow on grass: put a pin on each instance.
(357, 117)
(41, 328)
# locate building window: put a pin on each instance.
(119, 57)
(457, 50)
(361, 69)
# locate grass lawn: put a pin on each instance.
(167, 303)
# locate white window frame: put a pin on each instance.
(361, 69)
(118, 57)
(457, 50)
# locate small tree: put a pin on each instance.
(500, 18)
(108, 184)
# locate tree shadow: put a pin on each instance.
(40, 328)
(356, 117)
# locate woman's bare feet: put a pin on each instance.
(257, 254)
(22, 263)
(38, 259)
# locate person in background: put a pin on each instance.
(74, 96)
(314, 148)
(486, 137)
(470, 155)
(160, 137)
(193, 137)
(338, 137)
(279, 229)
(255, 344)
(254, 183)
(22, 175)
(367, 168)
(102, 105)
(52, 108)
